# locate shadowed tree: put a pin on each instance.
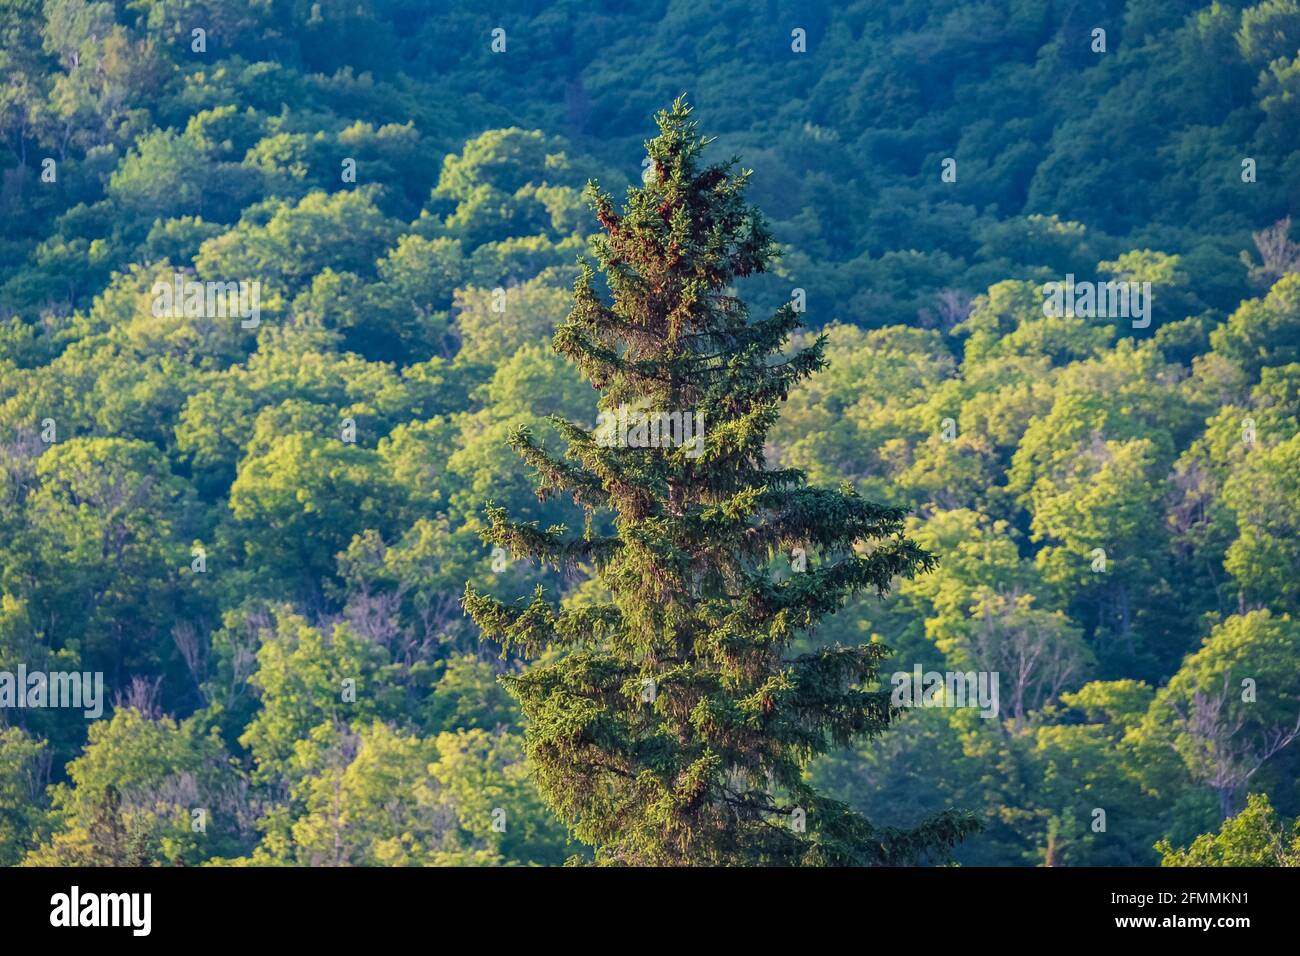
(673, 724)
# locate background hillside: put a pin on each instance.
(415, 303)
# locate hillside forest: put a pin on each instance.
(266, 534)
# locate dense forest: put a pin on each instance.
(260, 526)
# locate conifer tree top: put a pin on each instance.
(672, 725)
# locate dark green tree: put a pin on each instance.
(673, 724)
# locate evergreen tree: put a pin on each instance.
(675, 725)
(111, 843)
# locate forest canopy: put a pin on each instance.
(260, 532)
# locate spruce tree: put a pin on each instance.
(673, 724)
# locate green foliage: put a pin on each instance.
(1254, 837)
(131, 796)
(180, 511)
(708, 768)
(1233, 704)
(22, 773)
